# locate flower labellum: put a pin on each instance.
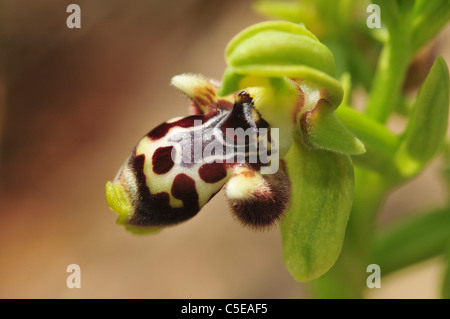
(181, 164)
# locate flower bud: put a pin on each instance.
(427, 126)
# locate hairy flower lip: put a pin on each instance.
(150, 193)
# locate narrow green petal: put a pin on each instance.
(322, 129)
(233, 75)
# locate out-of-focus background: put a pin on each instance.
(73, 102)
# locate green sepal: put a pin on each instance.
(313, 227)
(277, 49)
(426, 130)
(230, 82)
(322, 129)
(279, 43)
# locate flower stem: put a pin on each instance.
(380, 143)
(410, 241)
(391, 70)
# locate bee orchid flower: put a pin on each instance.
(268, 134)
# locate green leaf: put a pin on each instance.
(429, 17)
(445, 169)
(322, 129)
(314, 225)
(427, 126)
(410, 241)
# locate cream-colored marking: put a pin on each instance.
(243, 184)
(163, 183)
(157, 183)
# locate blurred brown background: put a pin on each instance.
(73, 102)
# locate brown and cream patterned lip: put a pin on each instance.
(164, 192)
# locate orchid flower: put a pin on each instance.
(292, 165)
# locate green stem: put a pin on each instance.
(391, 70)
(380, 143)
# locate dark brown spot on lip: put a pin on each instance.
(212, 172)
(155, 209)
(161, 130)
(162, 160)
(183, 188)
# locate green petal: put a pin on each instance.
(276, 47)
(233, 76)
(322, 129)
(314, 226)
